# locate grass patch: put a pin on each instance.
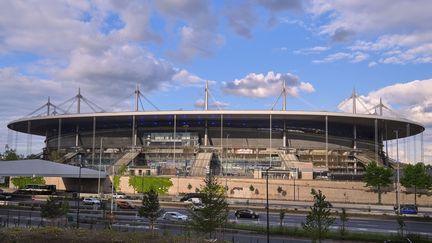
(335, 235)
(61, 235)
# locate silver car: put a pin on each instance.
(91, 201)
(175, 216)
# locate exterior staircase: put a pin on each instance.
(201, 164)
(124, 160)
(68, 156)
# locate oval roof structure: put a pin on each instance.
(40, 124)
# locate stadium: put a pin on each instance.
(240, 143)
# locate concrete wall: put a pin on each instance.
(336, 191)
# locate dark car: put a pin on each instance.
(187, 196)
(408, 209)
(246, 213)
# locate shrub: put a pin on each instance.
(279, 189)
(251, 188)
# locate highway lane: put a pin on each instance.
(291, 220)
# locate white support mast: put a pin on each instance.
(137, 95)
(206, 96)
(354, 97)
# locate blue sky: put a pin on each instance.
(246, 49)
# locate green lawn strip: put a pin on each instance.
(335, 235)
(54, 235)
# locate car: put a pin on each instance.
(246, 213)
(190, 195)
(174, 216)
(91, 201)
(4, 196)
(125, 205)
(119, 195)
(197, 206)
(408, 209)
(193, 200)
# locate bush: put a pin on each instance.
(251, 188)
(144, 183)
(279, 189)
(22, 181)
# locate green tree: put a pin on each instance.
(150, 208)
(145, 183)
(318, 220)
(214, 211)
(22, 181)
(11, 154)
(54, 208)
(416, 176)
(377, 176)
(344, 219)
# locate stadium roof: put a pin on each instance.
(40, 124)
(37, 167)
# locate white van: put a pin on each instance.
(194, 200)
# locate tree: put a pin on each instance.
(344, 219)
(10, 154)
(145, 183)
(214, 210)
(150, 208)
(377, 176)
(22, 181)
(281, 217)
(318, 220)
(54, 208)
(416, 176)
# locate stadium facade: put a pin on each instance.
(296, 144)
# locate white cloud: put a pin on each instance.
(197, 42)
(198, 31)
(306, 87)
(312, 50)
(352, 57)
(241, 18)
(185, 78)
(214, 105)
(117, 68)
(379, 27)
(372, 64)
(260, 85)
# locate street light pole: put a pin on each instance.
(79, 194)
(99, 170)
(397, 173)
(112, 190)
(267, 205)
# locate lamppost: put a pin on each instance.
(79, 194)
(226, 161)
(100, 164)
(397, 173)
(112, 190)
(267, 204)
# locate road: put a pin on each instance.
(123, 217)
